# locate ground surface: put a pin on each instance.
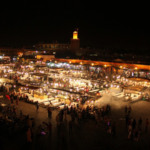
(88, 135)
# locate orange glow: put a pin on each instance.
(20, 53)
(106, 64)
(75, 35)
(98, 94)
(38, 57)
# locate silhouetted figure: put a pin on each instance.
(140, 123)
(49, 113)
(126, 109)
(146, 125)
(114, 129)
(70, 127)
(134, 124)
(37, 106)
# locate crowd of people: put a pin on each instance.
(135, 127)
(14, 123)
(68, 120)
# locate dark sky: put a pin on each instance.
(100, 25)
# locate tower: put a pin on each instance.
(75, 41)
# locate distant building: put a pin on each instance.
(12, 51)
(52, 46)
(74, 45)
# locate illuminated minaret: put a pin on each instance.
(75, 42)
(75, 35)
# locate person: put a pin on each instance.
(140, 123)
(70, 127)
(65, 114)
(127, 120)
(129, 110)
(114, 129)
(49, 127)
(29, 136)
(17, 100)
(136, 136)
(134, 124)
(14, 110)
(146, 125)
(12, 100)
(126, 109)
(109, 130)
(49, 113)
(129, 132)
(37, 106)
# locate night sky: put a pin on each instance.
(100, 26)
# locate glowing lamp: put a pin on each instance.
(98, 94)
(75, 35)
(135, 68)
